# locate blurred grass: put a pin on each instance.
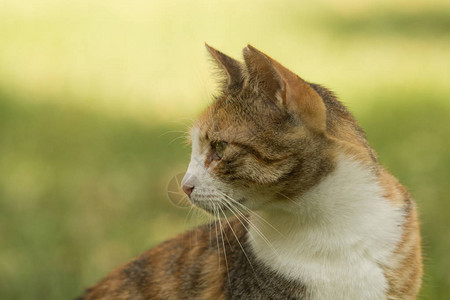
(93, 98)
(78, 190)
(427, 23)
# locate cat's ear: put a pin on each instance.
(285, 87)
(231, 68)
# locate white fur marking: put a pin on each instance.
(206, 193)
(335, 237)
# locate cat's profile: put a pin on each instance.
(315, 214)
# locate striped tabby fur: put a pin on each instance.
(304, 209)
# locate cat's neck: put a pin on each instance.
(335, 237)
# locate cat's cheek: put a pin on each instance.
(213, 165)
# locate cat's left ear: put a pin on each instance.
(285, 87)
(230, 67)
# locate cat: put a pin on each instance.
(315, 214)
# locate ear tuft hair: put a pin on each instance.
(229, 69)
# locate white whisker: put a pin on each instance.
(233, 210)
(223, 243)
(240, 245)
(249, 211)
(293, 202)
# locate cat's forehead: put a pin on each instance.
(242, 119)
(231, 115)
(224, 122)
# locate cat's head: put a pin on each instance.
(267, 138)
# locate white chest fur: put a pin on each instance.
(335, 237)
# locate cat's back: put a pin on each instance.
(213, 261)
(184, 267)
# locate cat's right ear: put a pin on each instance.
(231, 68)
(285, 88)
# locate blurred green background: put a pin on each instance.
(95, 96)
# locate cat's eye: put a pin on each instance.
(219, 149)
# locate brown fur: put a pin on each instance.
(196, 265)
(283, 135)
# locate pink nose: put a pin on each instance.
(188, 189)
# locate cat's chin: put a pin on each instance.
(220, 209)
